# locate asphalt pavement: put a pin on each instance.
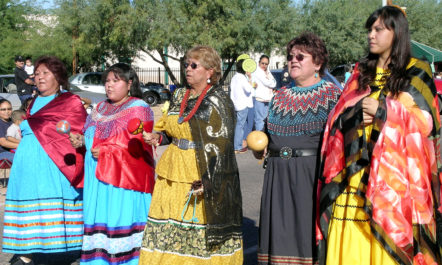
(251, 177)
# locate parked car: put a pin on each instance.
(7, 84)
(153, 93)
(90, 81)
(339, 73)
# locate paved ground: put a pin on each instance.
(251, 175)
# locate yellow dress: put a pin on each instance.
(168, 237)
(350, 240)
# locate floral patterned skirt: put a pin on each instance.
(175, 230)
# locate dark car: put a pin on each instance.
(281, 76)
(155, 93)
(7, 84)
(339, 72)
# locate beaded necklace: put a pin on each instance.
(195, 108)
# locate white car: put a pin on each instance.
(90, 81)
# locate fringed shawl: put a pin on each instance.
(401, 161)
(124, 160)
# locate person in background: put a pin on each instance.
(241, 90)
(348, 72)
(5, 122)
(22, 80)
(196, 212)
(265, 82)
(296, 121)
(44, 206)
(29, 68)
(381, 180)
(13, 134)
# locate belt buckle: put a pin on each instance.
(183, 144)
(285, 152)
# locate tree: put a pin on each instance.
(424, 19)
(13, 27)
(231, 27)
(340, 24)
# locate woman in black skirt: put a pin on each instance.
(295, 122)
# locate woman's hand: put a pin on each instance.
(95, 152)
(77, 140)
(260, 155)
(151, 138)
(369, 108)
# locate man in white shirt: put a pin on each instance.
(265, 82)
(241, 95)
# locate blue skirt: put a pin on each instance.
(114, 218)
(43, 212)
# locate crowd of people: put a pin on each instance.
(352, 176)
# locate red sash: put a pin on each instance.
(69, 160)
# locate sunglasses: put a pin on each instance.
(192, 65)
(5, 109)
(299, 57)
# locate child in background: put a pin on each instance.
(13, 133)
(29, 68)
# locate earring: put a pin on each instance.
(316, 74)
(208, 81)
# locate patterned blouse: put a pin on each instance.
(296, 111)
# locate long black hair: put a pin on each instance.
(125, 72)
(239, 67)
(394, 19)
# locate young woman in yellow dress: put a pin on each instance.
(380, 186)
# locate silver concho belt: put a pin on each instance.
(287, 152)
(185, 144)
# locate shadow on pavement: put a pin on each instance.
(250, 241)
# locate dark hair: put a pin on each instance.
(394, 19)
(3, 100)
(126, 73)
(239, 67)
(25, 105)
(57, 68)
(263, 56)
(311, 43)
(28, 58)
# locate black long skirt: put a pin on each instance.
(286, 228)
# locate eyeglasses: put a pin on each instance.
(299, 57)
(6, 109)
(192, 65)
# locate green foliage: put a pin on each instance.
(231, 27)
(340, 24)
(90, 33)
(425, 20)
(13, 26)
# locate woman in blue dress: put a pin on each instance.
(119, 172)
(43, 208)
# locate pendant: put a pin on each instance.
(180, 120)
